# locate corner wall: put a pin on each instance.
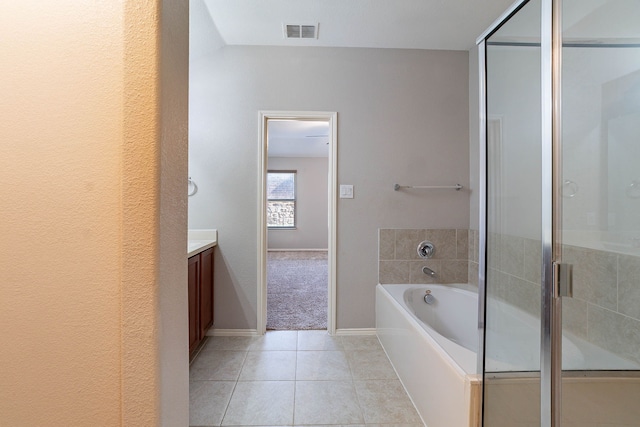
(155, 361)
(173, 345)
(88, 306)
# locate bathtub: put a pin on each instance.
(436, 362)
(433, 348)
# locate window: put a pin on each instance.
(281, 199)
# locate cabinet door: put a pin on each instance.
(206, 291)
(193, 289)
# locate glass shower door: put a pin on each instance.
(563, 189)
(513, 284)
(600, 222)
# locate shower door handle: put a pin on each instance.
(563, 279)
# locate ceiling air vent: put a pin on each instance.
(297, 31)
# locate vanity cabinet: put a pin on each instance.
(200, 290)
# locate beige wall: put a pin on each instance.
(80, 165)
(173, 342)
(402, 118)
(312, 205)
(474, 140)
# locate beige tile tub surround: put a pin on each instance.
(605, 308)
(399, 261)
(474, 239)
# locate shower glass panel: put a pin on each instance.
(513, 283)
(600, 198)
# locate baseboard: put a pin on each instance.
(356, 331)
(233, 333)
(254, 332)
(298, 250)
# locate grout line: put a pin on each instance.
(394, 245)
(295, 371)
(229, 402)
(244, 360)
(618, 283)
(295, 386)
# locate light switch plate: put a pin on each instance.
(346, 191)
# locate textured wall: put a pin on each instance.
(60, 159)
(154, 292)
(140, 198)
(94, 327)
(402, 117)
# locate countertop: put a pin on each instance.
(201, 240)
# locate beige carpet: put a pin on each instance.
(297, 290)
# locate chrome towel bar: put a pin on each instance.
(456, 187)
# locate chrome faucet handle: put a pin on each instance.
(426, 249)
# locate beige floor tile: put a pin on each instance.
(261, 403)
(370, 365)
(385, 401)
(217, 365)
(397, 425)
(318, 340)
(381, 425)
(208, 401)
(326, 402)
(229, 343)
(275, 340)
(269, 366)
(322, 365)
(324, 392)
(361, 342)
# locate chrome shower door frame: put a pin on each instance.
(551, 311)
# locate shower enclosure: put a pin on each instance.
(560, 273)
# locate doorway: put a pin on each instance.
(296, 286)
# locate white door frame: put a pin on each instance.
(332, 118)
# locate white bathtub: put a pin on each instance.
(436, 362)
(433, 348)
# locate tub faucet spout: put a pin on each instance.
(426, 270)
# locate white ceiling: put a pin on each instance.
(406, 24)
(295, 138)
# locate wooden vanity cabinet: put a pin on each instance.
(206, 291)
(200, 290)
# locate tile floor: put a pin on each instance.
(290, 378)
